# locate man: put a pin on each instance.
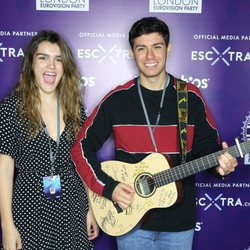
(143, 117)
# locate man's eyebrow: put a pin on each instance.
(142, 45)
(160, 43)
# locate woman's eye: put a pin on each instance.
(41, 57)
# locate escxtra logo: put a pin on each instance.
(9, 52)
(102, 54)
(212, 202)
(226, 56)
(219, 202)
(220, 56)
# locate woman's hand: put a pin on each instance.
(11, 238)
(92, 227)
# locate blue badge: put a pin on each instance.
(52, 187)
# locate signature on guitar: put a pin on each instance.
(156, 185)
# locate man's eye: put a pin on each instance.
(140, 49)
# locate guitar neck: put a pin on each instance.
(190, 168)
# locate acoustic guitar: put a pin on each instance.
(155, 186)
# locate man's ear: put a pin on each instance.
(168, 49)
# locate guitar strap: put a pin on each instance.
(182, 105)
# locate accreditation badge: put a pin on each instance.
(52, 187)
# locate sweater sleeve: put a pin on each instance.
(206, 138)
(95, 131)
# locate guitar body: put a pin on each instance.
(115, 221)
(155, 185)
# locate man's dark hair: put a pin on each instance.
(148, 25)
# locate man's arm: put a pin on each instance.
(93, 134)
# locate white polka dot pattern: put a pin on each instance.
(43, 223)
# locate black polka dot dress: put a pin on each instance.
(43, 223)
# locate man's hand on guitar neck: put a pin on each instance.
(123, 195)
(227, 163)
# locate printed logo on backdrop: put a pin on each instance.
(198, 82)
(175, 6)
(62, 5)
(219, 202)
(89, 81)
(9, 52)
(104, 54)
(198, 226)
(246, 136)
(248, 248)
(225, 55)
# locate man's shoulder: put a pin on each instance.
(120, 89)
(125, 86)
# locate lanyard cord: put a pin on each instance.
(151, 132)
(53, 156)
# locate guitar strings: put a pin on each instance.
(187, 169)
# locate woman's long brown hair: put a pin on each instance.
(68, 87)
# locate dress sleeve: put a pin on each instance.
(7, 129)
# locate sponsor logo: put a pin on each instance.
(88, 81)
(219, 202)
(246, 136)
(200, 83)
(175, 6)
(102, 54)
(62, 5)
(198, 226)
(7, 52)
(225, 56)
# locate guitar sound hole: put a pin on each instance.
(144, 185)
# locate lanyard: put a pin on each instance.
(151, 132)
(53, 156)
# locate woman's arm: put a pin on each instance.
(10, 235)
(92, 226)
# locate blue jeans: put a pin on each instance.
(138, 239)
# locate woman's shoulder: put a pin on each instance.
(9, 104)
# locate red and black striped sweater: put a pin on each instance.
(120, 114)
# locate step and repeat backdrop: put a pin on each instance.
(210, 48)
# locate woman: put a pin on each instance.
(46, 206)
